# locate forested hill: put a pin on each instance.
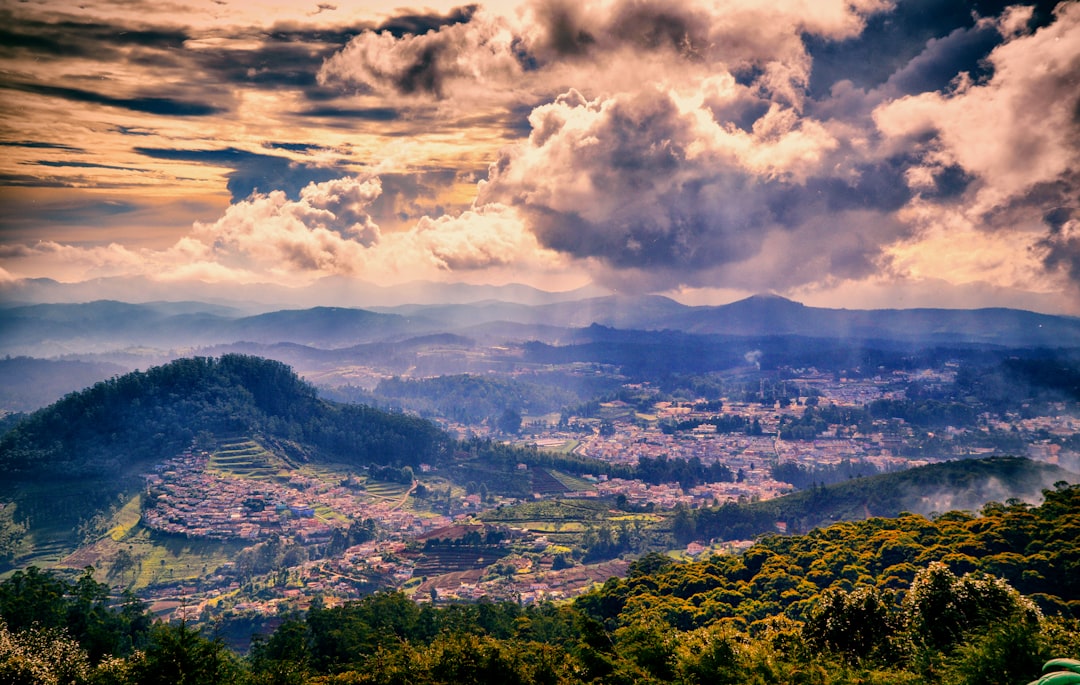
(152, 414)
(962, 484)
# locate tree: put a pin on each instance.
(509, 422)
(180, 655)
(857, 624)
(940, 607)
(41, 656)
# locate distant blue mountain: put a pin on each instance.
(54, 329)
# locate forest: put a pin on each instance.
(955, 599)
(135, 418)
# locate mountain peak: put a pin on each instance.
(771, 299)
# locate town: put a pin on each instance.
(351, 533)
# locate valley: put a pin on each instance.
(234, 489)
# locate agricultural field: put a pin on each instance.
(563, 522)
(246, 458)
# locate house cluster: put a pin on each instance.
(184, 499)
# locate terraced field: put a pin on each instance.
(439, 559)
(545, 483)
(561, 521)
(246, 458)
(572, 483)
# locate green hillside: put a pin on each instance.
(65, 470)
(145, 416)
(964, 484)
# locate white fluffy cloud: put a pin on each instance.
(603, 46)
(325, 232)
(1016, 136)
(1013, 132)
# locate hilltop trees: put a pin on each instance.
(144, 415)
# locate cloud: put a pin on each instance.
(655, 183)
(479, 48)
(325, 231)
(553, 45)
(1021, 161)
(419, 24)
(721, 145)
(251, 171)
(328, 230)
(1060, 248)
(685, 153)
(148, 104)
(37, 144)
(478, 239)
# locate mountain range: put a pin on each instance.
(106, 325)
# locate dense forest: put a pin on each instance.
(962, 484)
(143, 416)
(472, 399)
(905, 600)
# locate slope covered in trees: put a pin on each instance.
(963, 484)
(907, 600)
(473, 399)
(148, 415)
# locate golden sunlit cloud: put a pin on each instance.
(695, 148)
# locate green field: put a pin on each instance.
(572, 483)
(562, 521)
(246, 458)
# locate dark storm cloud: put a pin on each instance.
(83, 39)
(893, 39)
(295, 147)
(84, 165)
(406, 198)
(31, 181)
(878, 187)
(640, 184)
(1061, 247)
(251, 171)
(649, 25)
(285, 61)
(132, 131)
(91, 213)
(148, 104)
(42, 145)
(419, 24)
(360, 113)
(647, 219)
(963, 50)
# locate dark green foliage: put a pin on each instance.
(149, 415)
(972, 482)
(685, 472)
(84, 608)
(803, 477)
(181, 655)
(857, 624)
(472, 399)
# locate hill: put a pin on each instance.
(964, 484)
(142, 416)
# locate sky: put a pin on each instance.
(843, 153)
